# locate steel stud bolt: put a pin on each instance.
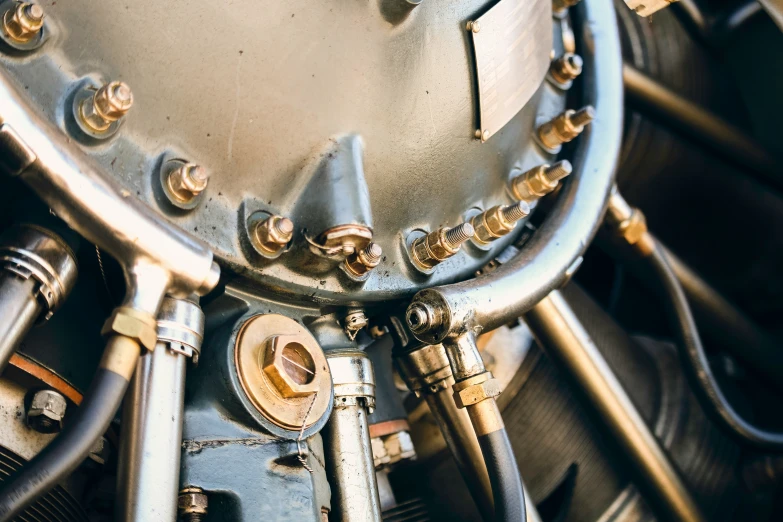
(274, 233)
(360, 263)
(539, 181)
(427, 251)
(109, 104)
(498, 221)
(564, 127)
(566, 69)
(188, 181)
(24, 22)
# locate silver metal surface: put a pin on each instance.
(47, 410)
(464, 357)
(219, 102)
(156, 256)
(148, 473)
(567, 343)
(512, 42)
(507, 292)
(21, 309)
(16, 435)
(348, 448)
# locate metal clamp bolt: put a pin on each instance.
(23, 22)
(274, 233)
(564, 70)
(46, 412)
(539, 181)
(564, 128)
(498, 221)
(427, 251)
(107, 106)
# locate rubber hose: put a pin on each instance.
(507, 492)
(66, 452)
(697, 367)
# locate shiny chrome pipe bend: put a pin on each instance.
(157, 257)
(543, 264)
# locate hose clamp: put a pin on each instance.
(32, 251)
(181, 327)
(353, 379)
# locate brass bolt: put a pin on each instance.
(192, 504)
(24, 22)
(109, 104)
(473, 26)
(290, 367)
(565, 127)
(188, 181)
(565, 69)
(498, 221)
(274, 233)
(539, 181)
(427, 251)
(361, 262)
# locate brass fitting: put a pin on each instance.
(360, 263)
(192, 504)
(134, 324)
(476, 389)
(109, 104)
(629, 223)
(539, 181)
(274, 233)
(427, 251)
(566, 69)
(23, 22)
(498, 221)
(290, 366)
(188, 181)
(564, 127)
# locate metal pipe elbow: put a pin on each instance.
(98, 208)
(543, 264)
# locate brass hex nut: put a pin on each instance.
(488, 389)
(290, 366)
(137, 325)
(633, 228)
(192, 501)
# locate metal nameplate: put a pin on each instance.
(512, 43)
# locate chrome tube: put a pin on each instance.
(150, 445)
(20, 311)
(349, 458)
(567, 343)
(157, 257)
(543, 264)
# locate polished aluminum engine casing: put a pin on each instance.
(265, 94)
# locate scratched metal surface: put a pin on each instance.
(512, 56)
(254, 90)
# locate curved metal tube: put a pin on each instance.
(542, 266)
(157, 257)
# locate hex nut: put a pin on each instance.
(274, 233)
(475, 393)
(192, 501)
(47, 411)
(188, 181)
(100, 451)
(24, 21)
(633, 228)
(134, 324)
(290, 366)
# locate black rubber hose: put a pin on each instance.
(64, 454)
(507, 492)
(697, 367)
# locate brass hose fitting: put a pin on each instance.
(539, 181)
(498, 221)
(629, 223)
(427, 251)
